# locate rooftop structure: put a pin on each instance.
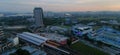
(56, 37)
(106, 35)
(32, 38)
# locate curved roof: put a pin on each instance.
(32, 38)
(35, 36)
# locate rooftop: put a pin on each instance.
(108, 32)
(55, 37)
(80, 26)
(32, 38)
(106, 35)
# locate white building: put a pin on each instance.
(38, 15)
(15, 41)
(32, 38)
(81, 30)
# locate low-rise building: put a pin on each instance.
(1, 31)
(30, 49)
(106, 35)
(46, 42)
(91, 24)
(81, 30)
(56, 37)
(58, 29)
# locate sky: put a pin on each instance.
(59, 5)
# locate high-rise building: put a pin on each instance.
(38, 15)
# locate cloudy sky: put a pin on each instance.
(59, 5)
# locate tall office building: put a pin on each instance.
(38, 15)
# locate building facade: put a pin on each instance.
(38, 15)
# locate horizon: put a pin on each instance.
(59, 11)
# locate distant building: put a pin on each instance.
(113, 22)
(71, 20)
(38, 15)
(49, 14)
(67, 20)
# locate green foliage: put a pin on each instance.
(12, 54)
(21, 52)
(69, 42)
(53, 21)
(87, 50)
(19, 20)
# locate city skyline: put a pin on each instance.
(59, 5)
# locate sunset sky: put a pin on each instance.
(59, 5)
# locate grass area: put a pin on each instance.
(86, 50)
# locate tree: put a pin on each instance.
(69, 41)
(12, 54)
(21, 52)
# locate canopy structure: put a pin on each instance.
(32, 38)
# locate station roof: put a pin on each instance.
(32, 38)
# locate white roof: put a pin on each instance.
(81, 27)
(36, 36)
(33, 38)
